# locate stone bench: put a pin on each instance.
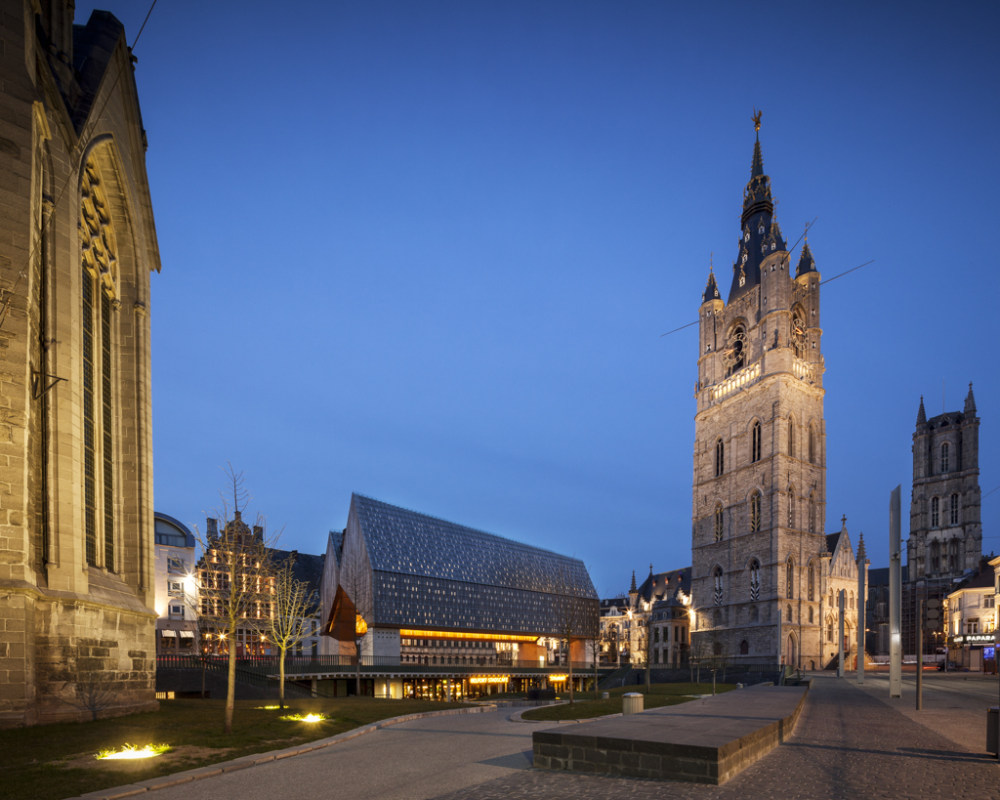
(708, 740)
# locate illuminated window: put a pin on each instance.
(755, 442)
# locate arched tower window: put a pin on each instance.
(754, 580)
(744, 648)
(789, 578)
(791, 507)
(811, 582)
(718, 522)
(755, 518)
(734, 355)
(945, 457)
(99, 261)
(720, 453)
(788, 613)
(810, 614)
(717, 585)
(812, 515)
(935, 556)
(755, 436)
(954, 509)
(935, 512)
(953, 554)
(812, 444)
(791, 437)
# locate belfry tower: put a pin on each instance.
(759, 493)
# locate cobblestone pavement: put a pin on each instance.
(848, 744)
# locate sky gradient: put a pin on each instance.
(426, 251)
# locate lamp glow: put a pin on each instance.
(304, 717)
(131, 751)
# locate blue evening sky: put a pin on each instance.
(425, 251)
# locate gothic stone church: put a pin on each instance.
(761, 564)
(76, 468)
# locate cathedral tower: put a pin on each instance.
(946, 534)
(759, 494)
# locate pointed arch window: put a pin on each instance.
(718, 522)
(720, 453)
(755, 518)
(791, 437)
(754, 580)
(755, 444)
(812, 515)
(717, 589)
(791, 507)
(954, 509)
(811, 582)
(935, 512)
(812, 445)
(789, 578)
(99, 279)
(945, 457)
(744, 648)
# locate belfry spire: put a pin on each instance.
(755, 223)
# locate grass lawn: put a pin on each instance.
(659, 694)
(51, 762)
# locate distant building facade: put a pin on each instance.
(78, 245)
(652, 623)
(970, 614)
(436, 594)
(176, 600)
(946, 537)
(759, 489)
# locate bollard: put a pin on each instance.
(631, 703)
(991, 729)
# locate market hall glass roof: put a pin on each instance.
(429, 573)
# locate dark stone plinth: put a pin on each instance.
(704, 741)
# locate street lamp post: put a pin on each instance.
(360, 629)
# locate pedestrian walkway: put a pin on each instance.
(848, 745)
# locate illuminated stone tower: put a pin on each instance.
(759, 494)
(946, 534)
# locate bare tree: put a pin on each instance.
(293, 605)
(235, 580)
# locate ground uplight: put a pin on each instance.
(304, 717)
(129, 751)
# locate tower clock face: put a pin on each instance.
(734, 354)
(798, 332)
